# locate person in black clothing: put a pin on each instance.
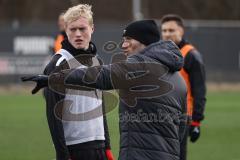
(193, 72)
(76, 139)
(152, 92)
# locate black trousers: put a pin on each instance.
(183, 144)
(88, 154)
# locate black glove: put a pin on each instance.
(41, 80)
(194, 131)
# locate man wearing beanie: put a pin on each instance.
(152, 93)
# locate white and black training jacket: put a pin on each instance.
(78, 131)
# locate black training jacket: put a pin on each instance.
(194, 66)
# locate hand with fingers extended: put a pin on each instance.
(194, 131)
(41, 80)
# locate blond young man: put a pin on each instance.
(76, 138)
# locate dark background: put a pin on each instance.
(213, 26)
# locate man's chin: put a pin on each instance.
(80, 47)
(129, 53)
(126, 53)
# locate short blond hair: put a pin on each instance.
(75, 12)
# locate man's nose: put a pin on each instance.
(166, 34)
(125, 44)
(78, 32)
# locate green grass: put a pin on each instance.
(24, 132)
(220, 139)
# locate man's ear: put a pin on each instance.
(92, 28)
(181, 29)
(65, 28)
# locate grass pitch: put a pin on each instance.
(24, 132)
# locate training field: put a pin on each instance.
(24, 132)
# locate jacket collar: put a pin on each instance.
(92, 50)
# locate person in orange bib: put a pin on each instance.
(193, 72)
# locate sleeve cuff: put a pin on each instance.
(195, 123)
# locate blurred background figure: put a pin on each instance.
(193, 72)
(62, 34)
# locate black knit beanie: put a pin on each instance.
(144, 31)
